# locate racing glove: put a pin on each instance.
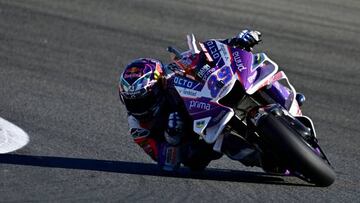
(166, 155)
(174, 131)
(246, 39)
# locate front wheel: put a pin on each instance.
(294, 152)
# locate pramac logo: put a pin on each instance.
(199, 105)
(238, 62)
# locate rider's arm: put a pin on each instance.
(165, 154)
(142, 137)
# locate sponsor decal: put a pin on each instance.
(211, 46)
(183, 82)
(133, 72)
(186, 83)
(200, 124)
(207, 74)
(238, 62)
(252, 78)
(189, 92)
(199, 105)
(133, 91)
(203, 70)
(224, 51)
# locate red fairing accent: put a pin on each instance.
(149, 145)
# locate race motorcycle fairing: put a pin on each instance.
(232, 65)
(241, 91)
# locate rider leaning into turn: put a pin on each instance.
(157, 117)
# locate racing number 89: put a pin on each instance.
(223, 74)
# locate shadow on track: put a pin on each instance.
(143, 169)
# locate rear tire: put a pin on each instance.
(294, 152)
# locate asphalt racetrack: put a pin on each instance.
(59, 67)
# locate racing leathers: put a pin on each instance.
(168, 139)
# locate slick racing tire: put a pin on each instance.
(293, 151)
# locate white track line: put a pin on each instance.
(11, 137)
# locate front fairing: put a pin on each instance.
(251, 70)
(202, 97)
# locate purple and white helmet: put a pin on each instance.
(140, 87)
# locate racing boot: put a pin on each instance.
(198, 155)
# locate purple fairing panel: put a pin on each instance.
(280, 94)
(261, 72)
(253, 71)
(251, 75)
(241, 64)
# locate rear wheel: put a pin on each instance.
(293, 151)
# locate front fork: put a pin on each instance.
(256, 114)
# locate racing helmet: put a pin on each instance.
(140, 88)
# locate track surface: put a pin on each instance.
(59, 65)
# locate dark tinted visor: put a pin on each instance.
(143, 104)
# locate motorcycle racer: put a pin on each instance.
(156, 114)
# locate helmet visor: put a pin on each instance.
(142, 105)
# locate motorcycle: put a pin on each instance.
(243, 96)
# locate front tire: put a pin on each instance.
(293, 151)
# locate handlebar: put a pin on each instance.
(174, 51)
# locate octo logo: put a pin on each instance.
(183, 82)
